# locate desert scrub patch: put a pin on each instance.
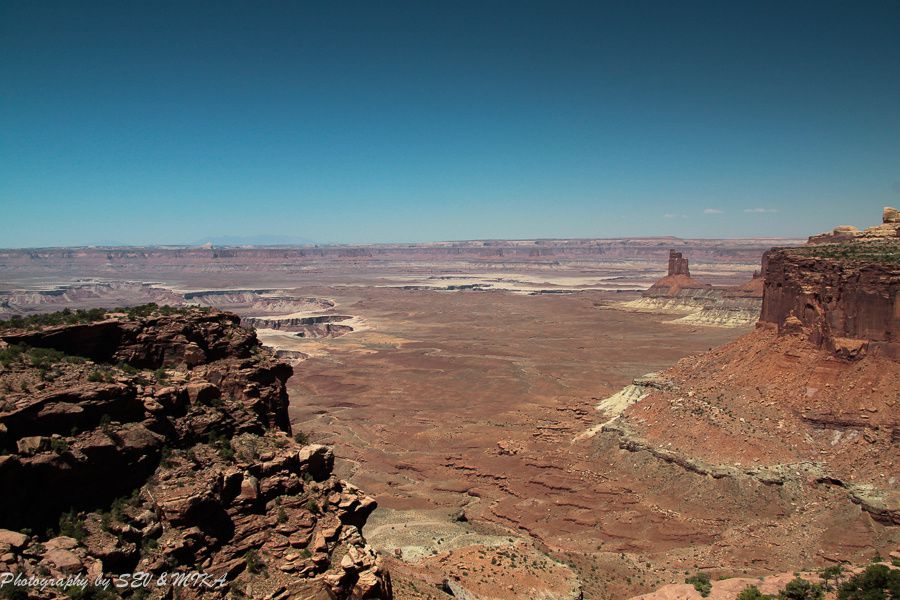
(701, 583)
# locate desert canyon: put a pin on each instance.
(554, 419)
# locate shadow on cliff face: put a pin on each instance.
(91, 432)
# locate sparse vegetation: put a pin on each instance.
(62, 317)
(12, 592)
(71, 525)
(701, 583)
(751, 592)
(801, 589)
(254, 563)
(90, 592)
(59, 445)
(887, 251)
(301, 438)
(222, 445)
(100, 376)
(877, 582)
(831, 576)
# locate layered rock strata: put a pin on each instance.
(699, 303)
(162, 444)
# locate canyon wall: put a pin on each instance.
(843, 296)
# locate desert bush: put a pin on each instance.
(701, 583)
(877, 582)
(70, 524)
(801, 589)
(254, 562)
(11, 354)
(831, 576)
(62, 317)
(751, 592)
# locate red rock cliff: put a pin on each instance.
(843, 296)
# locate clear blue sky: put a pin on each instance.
(170, 122)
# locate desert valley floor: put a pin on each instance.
(462, 396)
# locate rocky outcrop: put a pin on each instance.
(677, 279)
(699, 303)
(318, 326)
(678, 265)
(889, 228)
(168, 448)
(842, 296)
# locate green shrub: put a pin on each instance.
(12, 354)
(831, 576)
(222, 445)
(59, 445)
(97, 376)
(877, 582)
(254, 562)
(801, 589)
(701, 583)
(301, 438)
(126, 368)
(43, 358)
(62, 317)
(13, 592)
(71, 525)
(751, 592)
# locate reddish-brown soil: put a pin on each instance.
(465, 414)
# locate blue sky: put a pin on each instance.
(171, 122)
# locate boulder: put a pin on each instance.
(64, 560)
(13, 539)
(318, 461)
(33, 444)
(202, 392)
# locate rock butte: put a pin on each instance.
(679, 293)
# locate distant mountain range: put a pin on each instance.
(254, 240)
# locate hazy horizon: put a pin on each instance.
(233, 241)
(418, 122)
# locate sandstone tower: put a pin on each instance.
(678, 265)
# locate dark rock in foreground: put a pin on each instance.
(168, 448)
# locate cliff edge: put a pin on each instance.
(841, 293)
(157, 440)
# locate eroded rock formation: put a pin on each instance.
(842, 295)
(166, 446)
(318, 326)
(785, 409)
(678, 265)
(889, 228)
(699, 303)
